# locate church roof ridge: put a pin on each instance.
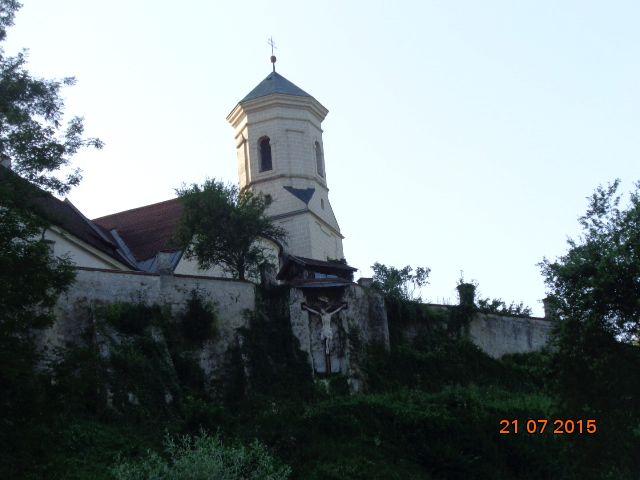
(151, 205)
(274, 83)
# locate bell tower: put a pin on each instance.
(280, 153)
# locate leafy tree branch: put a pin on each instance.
(399, 283)
(224, 226)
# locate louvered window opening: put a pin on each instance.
(265, 155)
(319, 160)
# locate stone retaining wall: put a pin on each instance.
(232, 298)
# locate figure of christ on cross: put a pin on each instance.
(326, 333)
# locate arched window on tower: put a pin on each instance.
(265, 154)
(319, 159)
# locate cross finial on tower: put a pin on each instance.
(273, 58)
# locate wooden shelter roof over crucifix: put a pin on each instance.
(307, 272)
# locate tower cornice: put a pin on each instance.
(239, 113)
(276, 176)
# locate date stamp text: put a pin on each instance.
(554, 426)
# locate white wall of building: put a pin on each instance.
(81, 254)
(190, 266)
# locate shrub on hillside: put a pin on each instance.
(133, 318)
(204, 458)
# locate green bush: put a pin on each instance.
(78, 380)
(190, 374)
(451, 434)
(339, 386)
(203, 458)
(141, 377)
(270, 363)
(133, 318)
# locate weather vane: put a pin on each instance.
(273, 58)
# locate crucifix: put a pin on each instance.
(273, 58)
(326, 333)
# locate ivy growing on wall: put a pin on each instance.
(268, 361)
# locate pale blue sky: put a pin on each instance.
(462, 135)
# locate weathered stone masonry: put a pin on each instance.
(364, 320)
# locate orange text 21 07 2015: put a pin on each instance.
(555, 426)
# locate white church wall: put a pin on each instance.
(285, 202)
(321, 206)
(190, 266)
(292, 133)
(244, 177)
(80, 253)
(299, 240)
(293, 125)
(325, 244)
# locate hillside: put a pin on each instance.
(432, 407)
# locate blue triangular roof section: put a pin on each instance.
(274, 83)
(303, 194)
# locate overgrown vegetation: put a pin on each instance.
(198, 321)
(34, 145)
(431, 408)
(595, 291)
(497, 306)
(205, 458)
(132, 318)
(271, 359)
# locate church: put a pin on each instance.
(280, 153)
(278, 136)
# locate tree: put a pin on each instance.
(595, 291)
(222, 225)
(30, 114)
(31, 111)
(399, 283)
(598, 280)
(32, 145)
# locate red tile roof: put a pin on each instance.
(146, 230)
